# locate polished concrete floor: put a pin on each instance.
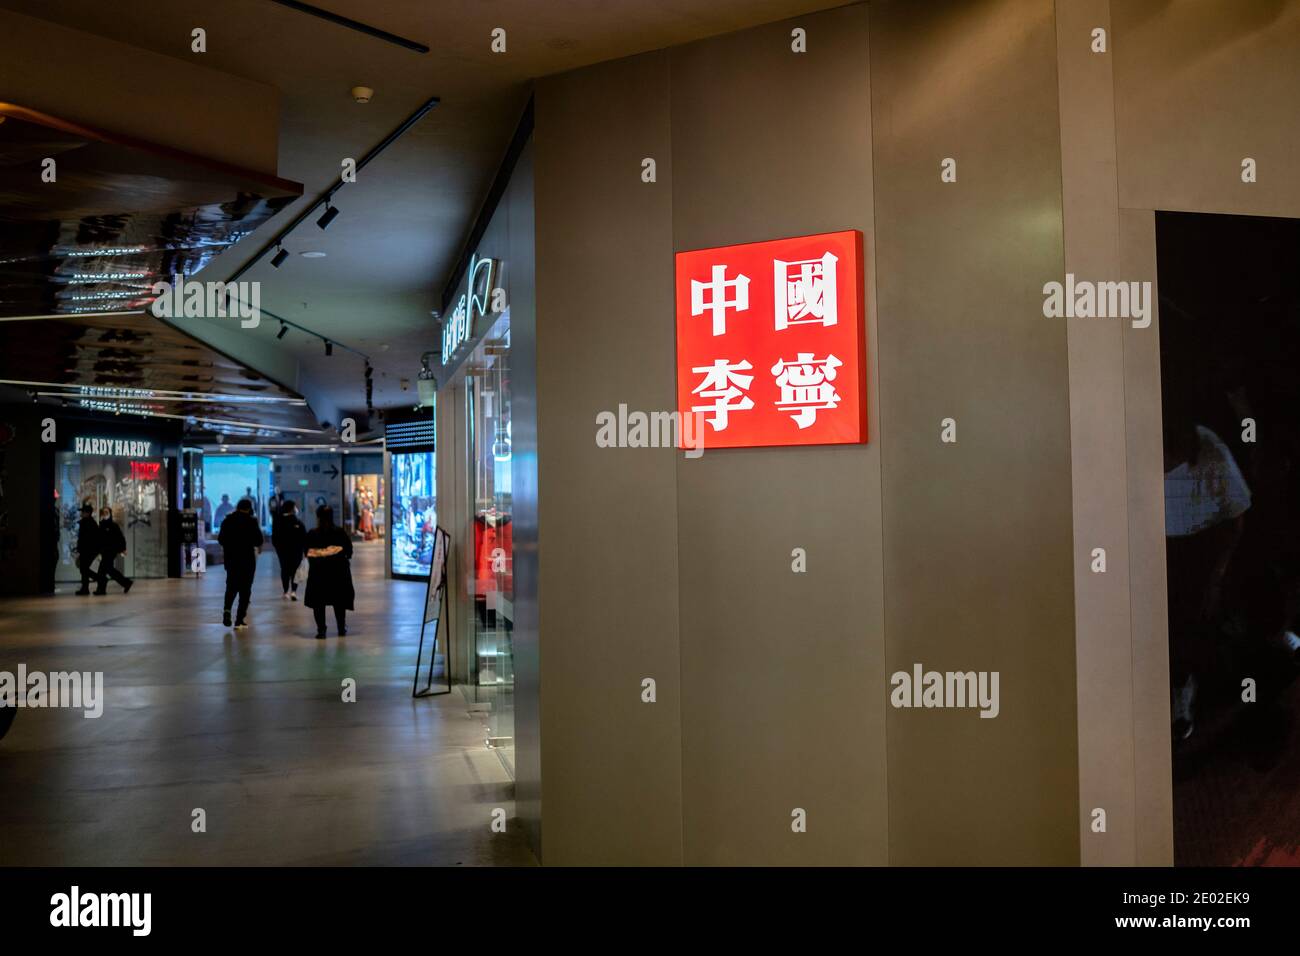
(248, 726)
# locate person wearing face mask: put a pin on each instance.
(111, 543)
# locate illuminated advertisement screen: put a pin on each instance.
(413, 501)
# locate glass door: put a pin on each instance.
(488, 407)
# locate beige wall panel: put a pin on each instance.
(1097, 439)
(611, 765)
(782, 673)
(1199, 86)
(1154, 820)
(978, 534)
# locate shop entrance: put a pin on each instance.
(136, 491)
(488, 430)
(1230, 386)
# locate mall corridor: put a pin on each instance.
(248, 726)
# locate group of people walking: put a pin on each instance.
(101, 539)
(327, 549)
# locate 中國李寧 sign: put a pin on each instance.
(770, 341)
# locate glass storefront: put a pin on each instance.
(414, 512)
(487, 409)
(135, 489)
(364, 506)
(227, 479)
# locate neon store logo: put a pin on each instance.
(770, 344)
(473, 304)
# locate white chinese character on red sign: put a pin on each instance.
(806, 386)
(719, 303)
(723, 383)
(805, 292)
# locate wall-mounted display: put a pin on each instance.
(413, 494)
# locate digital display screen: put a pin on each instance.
(414, 513)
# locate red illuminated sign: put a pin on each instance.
(146, 470)
(770, 341)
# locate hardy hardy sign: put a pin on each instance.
(770, 342)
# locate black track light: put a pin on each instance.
(327, 216)
(278, 259)
(283, 329)
(329, 347)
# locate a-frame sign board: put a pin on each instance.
(435, 605)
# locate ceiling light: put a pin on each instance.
(283, 329)
(329, 347)
(327, 216)
(314, 254)
(362, 94)
(278, 259)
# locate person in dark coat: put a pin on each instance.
(289, 535)
(87, 545)
(241, 541)
(111, 543)
(329, 578)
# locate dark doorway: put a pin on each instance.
(1230, 385)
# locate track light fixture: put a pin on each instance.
(329, 347)
(327, 216)
(278, 259)
(283, 329)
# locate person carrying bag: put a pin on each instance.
(329, 579)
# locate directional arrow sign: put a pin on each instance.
(334, 471)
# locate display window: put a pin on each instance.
(136, 491)
(364, 507)
(487, 408)
(227, 479)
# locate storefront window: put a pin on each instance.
(488, 412)
(227, 479)
(135, 489)
(364, 506)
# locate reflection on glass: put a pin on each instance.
(414, 514)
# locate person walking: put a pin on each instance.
(87, 545)
(289, 536)
(329, 580)
(111, 543)
(241, 541)
(223, 509)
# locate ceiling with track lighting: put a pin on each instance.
(376, 275)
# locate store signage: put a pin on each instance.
(112, 446)
(770, 342)
(458, 328)
(146, 470)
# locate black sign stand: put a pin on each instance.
(435, 598)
